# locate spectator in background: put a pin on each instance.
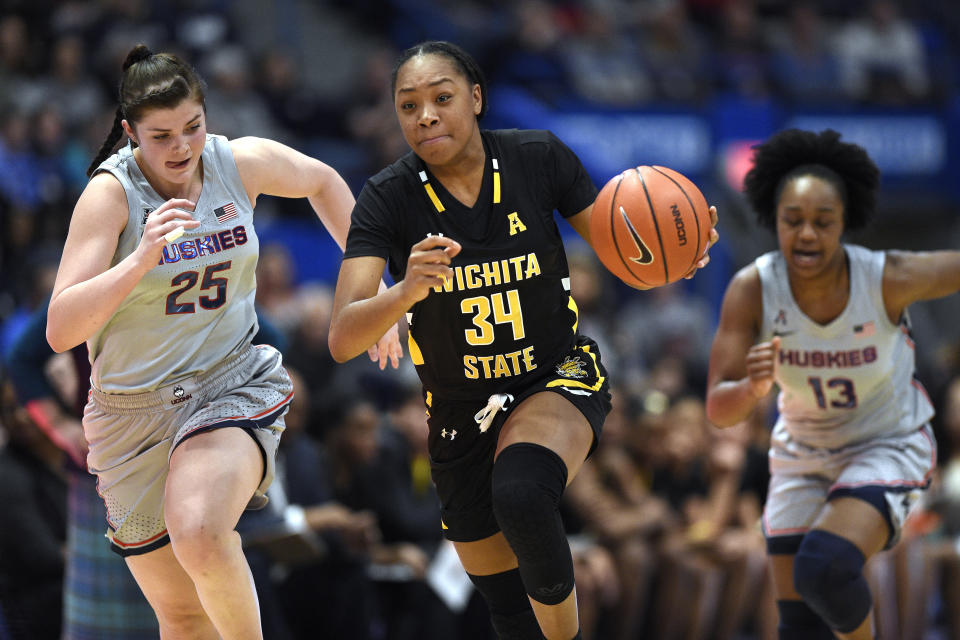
(236, 110)
(882, 59)
(615, 506)
(69, 85)
(741, 54)
(33, 530)
(674, 51)
(805, 69)
(100, 597)
(603, 60)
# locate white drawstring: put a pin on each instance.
(495, 403)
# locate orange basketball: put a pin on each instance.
(649, 226)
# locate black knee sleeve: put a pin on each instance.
(510, 612)
(799, 622)
(527, 483)
(828, 573)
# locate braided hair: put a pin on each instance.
(150, 81)
(793, 153)
(460, 58)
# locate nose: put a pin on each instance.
(807, 232)
(427, 116)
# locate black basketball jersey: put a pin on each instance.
(507, 313)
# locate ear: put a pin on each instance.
(477, 100)
(127, 129)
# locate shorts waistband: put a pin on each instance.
(174, 393)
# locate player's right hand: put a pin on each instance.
(428, 266)
(167, 217)
(761, 363)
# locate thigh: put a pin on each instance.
(857, 521)
(552, 421)
(486, 557)
(212, 477)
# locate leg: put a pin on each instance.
(492, 567)
(828, 572)
(797, 620)
(212, 477)
(541, 448)
(171, 593)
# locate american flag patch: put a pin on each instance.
(864, 330)
(226, 212)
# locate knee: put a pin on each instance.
(198, 543)
(828, 574)
(526, 486)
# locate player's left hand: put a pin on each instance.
(387, 349)
(714, 237)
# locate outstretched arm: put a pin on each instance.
(910, 277)
(271, 168)
(741, 372)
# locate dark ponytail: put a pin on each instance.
(150, 81)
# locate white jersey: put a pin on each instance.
(850, 380)
(196, 306)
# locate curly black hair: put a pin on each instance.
(795, 152)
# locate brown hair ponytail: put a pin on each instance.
(150, 81)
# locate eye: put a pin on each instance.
(195, 127)
(444, 97)
(160, 136)
(406, 106)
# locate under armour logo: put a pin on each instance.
(552, 591)
(444, 433)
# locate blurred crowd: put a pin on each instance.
(663, 518)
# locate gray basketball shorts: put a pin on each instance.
(890, 473)
(133, 436)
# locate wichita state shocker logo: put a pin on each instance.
(571, 368)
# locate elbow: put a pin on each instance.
(56, 343)
(338, 350)
(717, 416)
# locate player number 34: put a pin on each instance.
(504, 312)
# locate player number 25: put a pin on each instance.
(508, 312)
(188, 279)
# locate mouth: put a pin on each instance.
(178, 165)
(426, 142)
(805, 258)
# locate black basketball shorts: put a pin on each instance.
(461, 456)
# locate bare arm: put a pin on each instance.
(740, 372)
(361, 315)
(88, 290)
(271, 168)
(268, 167)
(910, 277)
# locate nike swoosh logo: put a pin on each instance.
(783, 334)
(645, 256)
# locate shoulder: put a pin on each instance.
(103, 202)
(394, 175)
(746, 281)
(527, 140)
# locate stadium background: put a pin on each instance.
(686, 84)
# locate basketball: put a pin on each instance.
(649, 226)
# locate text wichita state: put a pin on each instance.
(505, 310)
